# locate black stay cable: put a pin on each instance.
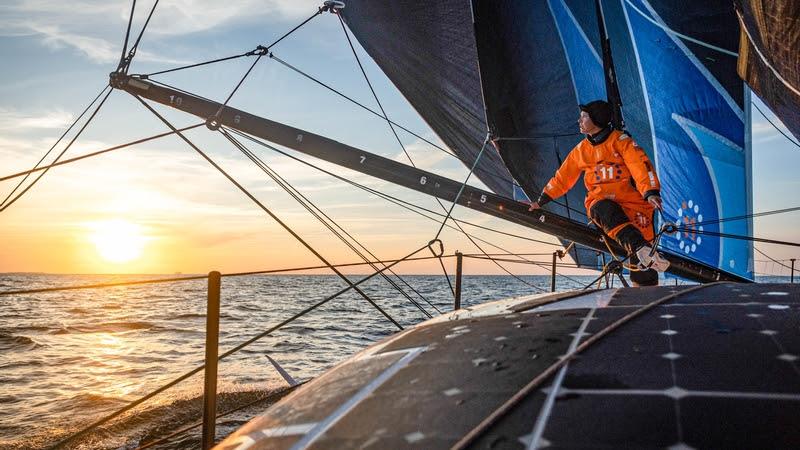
(413, 208)
(127, 35)
(269, 212)
(260, 51)
(738, 236)
(125, 62)
(190, 66)
(10, 201)
(775, 126)
(398, 201)
(374, 95)
(749, 216)
(60, 138)
(772, 259)
(99, 152)
(375, 113)
(319, 214)
(399, 141)
(242, 345)
(260, 55)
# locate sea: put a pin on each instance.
(69, 358)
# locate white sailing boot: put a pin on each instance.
(656, 261)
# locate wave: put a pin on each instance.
(110, 327)
(10, 341)
(190, 316)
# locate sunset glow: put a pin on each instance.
(117, 240)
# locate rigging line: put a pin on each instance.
(316, 211)
(383, 111)
(233, 350)
(773, 259)
(191, 66)
(127, 35)
(60, 138)
(361, 105)
(739, 237)
(6, 203)
(261, 54)
(397, 201)
(775, 126)
(539, 136)
(201, 277)
(748, 216)
(370, 110)
(403, 203)
(540, 379)
(135, 45)
(680, 35)
(394, 132)
(238, 85)
(269, 212)
(260, 50)
(99, 152)
(461, 189)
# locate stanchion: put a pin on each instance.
(212, 350)
(459, 264)
(556, 254)
(791, 276)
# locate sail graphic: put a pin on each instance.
(534, 62)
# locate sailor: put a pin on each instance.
(623, 188)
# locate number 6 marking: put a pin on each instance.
(423, 180)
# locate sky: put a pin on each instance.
(159, 208)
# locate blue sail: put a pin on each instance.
(534, 62)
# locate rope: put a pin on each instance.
(56, 142)
(125, 62)
(363, 72)
(269, 212)
(403, 204)
(772, 259)
(260, 55)
(6, 203)
(739, 237)
(535, 383)
(127, 35)
(190, 66)
(461, 189)
(749, 216)
(775, 126)
(202, 277)
(368, 109)
(318, 213)
(99, 152)
(244, 344)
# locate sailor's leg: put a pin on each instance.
(609, 216)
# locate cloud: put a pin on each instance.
(13, 120)
(96, 28)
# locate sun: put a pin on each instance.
(117, 240)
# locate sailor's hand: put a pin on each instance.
(655, 200)
(534, 206)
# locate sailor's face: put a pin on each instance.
(585, 123)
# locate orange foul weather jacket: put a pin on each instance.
(616, 169)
